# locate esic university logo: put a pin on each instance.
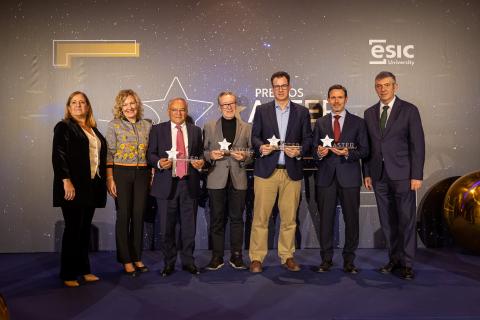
(391, 53)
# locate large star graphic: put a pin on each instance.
(196, 108)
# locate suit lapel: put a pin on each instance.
(291, 120)
(238, 130)
(346, 126)
(396, 110)
(376, 111)
(218, 132)
(190, 138)
(273, 119)
(168, 133)
(329, 127)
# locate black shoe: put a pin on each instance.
(132, 274)
(236, 262)
(350, 268)
(406, 273)
(325, 266)
(168, 270)
(215, 264)
(191, 268)
(389, 267)
(142, 269)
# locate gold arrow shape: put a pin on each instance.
(64, 50)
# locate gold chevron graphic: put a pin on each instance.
(64, 50)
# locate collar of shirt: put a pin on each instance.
(287, 108)
(341, 119)
(126, 121)
(390, 104)
(341, 114)
(174, 136)
(174, 126)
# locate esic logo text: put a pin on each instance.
(391, 54)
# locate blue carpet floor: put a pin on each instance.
(447, 286)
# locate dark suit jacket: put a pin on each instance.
(402, 146)
(348, 171)
(298, 131)
(71, 159)
(160, 141)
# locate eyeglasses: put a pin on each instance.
(228, 105)
(282, 86)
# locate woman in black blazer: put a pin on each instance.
(79, 163)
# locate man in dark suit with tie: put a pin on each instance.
(339, 175)
(278, 170)
(176, 183)
(395, 170)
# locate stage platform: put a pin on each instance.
(447, 286)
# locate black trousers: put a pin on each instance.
(226, 203)
(181, 208)
(327, 202)
(131, 202)
(75, 242)
(397, 212)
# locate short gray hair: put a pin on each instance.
(226, 93)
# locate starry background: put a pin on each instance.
(199, 48)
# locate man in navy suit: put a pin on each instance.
(395, 170)
(281, 136)
(176, 183)
(339, 175)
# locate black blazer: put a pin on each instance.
(265, 126)
(71, 159)
(347, 171)
(159, 142)
(402, 146)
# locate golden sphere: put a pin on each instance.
(461, 209)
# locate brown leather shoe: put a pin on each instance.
(71, 283)
(291, 265)
(90, 277)
(256, 266)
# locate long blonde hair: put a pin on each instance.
(121, 96)
(89, 119)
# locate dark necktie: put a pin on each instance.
(336, 129)
(181, 168)
(383, 119)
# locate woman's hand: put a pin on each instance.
(69, 189)
(111, 187)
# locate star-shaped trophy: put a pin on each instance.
(274, 141)
(327, 141)
(172, 154)
(224, 146)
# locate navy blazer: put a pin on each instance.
(402, 146)
(347, 170)
(298, 131)
(160, 141)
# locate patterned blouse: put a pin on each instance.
(127, 142)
